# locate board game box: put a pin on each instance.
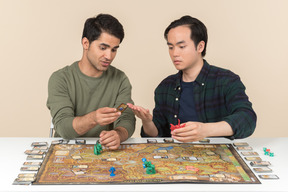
(174, 163)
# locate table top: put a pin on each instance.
(12, 158)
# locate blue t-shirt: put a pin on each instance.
(187, 111)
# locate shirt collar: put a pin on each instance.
(201, 78)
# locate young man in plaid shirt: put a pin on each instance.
(209, 100)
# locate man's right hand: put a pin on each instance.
(105, 115)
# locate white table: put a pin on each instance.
(12, 158)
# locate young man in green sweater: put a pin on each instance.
(83, 97)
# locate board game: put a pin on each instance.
(174, 163)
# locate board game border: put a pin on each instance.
(232, 149)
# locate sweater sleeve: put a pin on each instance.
(127, 118)
(61, 107)
(242, 117)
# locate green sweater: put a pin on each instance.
(71, 93)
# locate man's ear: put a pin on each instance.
(85, 43)
(201, 46)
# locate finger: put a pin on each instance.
(108, 110)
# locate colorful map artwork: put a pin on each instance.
(174, 163)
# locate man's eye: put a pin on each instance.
(102, 47)
(182, 47)
(170, 48)
(114, 50)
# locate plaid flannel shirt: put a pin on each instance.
(219, 95)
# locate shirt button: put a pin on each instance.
(175, 116)
(176, 99)
(203, 84)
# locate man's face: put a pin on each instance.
(182, 50)
(102, 51)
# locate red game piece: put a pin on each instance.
(173, 127)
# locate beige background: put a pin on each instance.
(38, 37)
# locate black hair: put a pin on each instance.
(198, 30)
(94, 26)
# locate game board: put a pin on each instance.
(174, 163)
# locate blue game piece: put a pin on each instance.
(143, 159)
(112, 169)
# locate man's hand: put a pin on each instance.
(106, 115)
(193, 131)
(112, 139)
(141, 113)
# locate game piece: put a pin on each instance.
(260, 163)
(151, 141)
(80, 141)
(262, 170)
(112, 170)
(173, 127)
(268, 176)
(41, 148)
(97, 148)
(271, 154)
(122, 107)
(168, 140)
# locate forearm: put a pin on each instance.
(82, 124)
(221, 128)
(122, 132)
(149, 128)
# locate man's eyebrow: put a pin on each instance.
(106, 45)
(180, 42)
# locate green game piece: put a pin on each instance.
(97, 148)
(271, 154)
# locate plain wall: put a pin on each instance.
(38, 37)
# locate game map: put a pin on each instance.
(174, 163)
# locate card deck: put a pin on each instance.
(34, 168)
(61, 141)
(32, 164)
(35, 157)
(21, 175)
(151, 141)
(39, 144)
(204, 141)
(240, 144)
(244, 148)
(21, 181)
(268, 176)
(34, 152)
(249, 153)
(122, 107)
(80, 141)
(253, 158)
(168, 140)
(260, 163)
(262, 170)
(41, 148)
